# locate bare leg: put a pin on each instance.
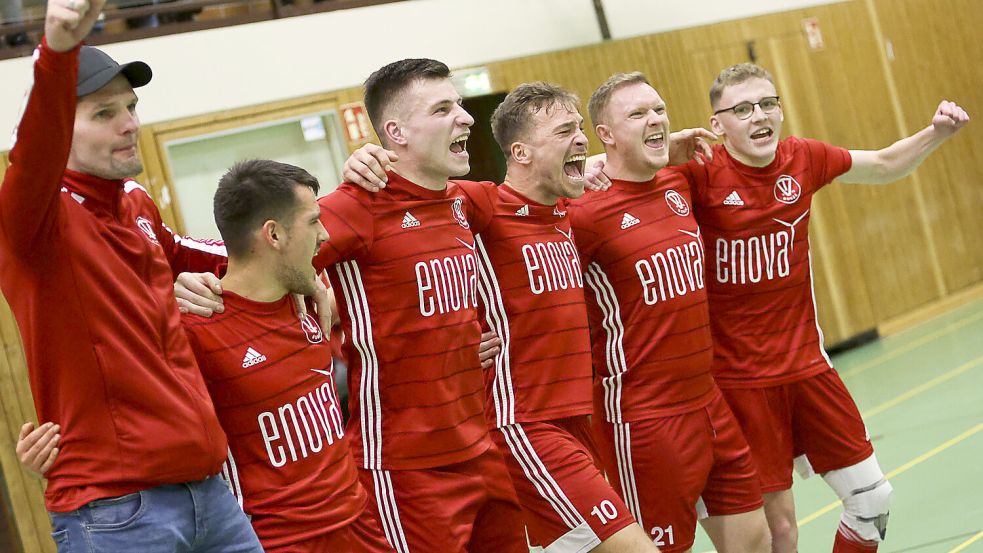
(740, 533)
(780, 512)
(630, 539)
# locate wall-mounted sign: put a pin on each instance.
(356, 122)
(813, 34)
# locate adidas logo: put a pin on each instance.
(629, 220)
(523, 211)
(733, 199)
(409, 221)
(251, 358)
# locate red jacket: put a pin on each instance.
(87, 267)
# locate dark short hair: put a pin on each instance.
(253, 192)
(511, 119)
(387, 83)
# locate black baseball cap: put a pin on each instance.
(96, 69)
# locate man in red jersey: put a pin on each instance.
(403, 268)
(270, 373)
(668, 440)
(119, 376)
(752, 203)
(538, 391)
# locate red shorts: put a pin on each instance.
(363, 535)
(465, 507)
(815, 416)
(663, 466)
(569, 505)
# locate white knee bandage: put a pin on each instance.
(866, 497)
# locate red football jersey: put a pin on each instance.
(533, 288)
(270, 377)
(755, 224)
(643, 257)
(403, 267)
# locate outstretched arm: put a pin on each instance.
(904, 156)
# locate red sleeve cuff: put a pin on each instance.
(49, 59)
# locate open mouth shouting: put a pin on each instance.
(574, 166)
(656, 140)
(762, 135)
(459, 146)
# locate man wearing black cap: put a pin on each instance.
(88, 269)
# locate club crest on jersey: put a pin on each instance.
(147, 227)
(787, 189)
(457, 210)
(677, 203)
(311, 329)
(558, 213)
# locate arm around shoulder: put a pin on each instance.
(347, 215)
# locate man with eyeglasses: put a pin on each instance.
(752, 202)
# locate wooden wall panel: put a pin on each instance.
(882, 221)
(937, 51)
(25, 492)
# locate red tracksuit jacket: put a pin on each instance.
(87, 267)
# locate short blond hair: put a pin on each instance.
(735, 75)
(511, 119)
(599, 100)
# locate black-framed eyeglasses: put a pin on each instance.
(744, 110)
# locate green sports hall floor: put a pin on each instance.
(921, 394)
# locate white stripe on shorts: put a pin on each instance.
(626, 472)
(385, 498)
(540, 477)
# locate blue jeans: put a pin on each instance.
(175, 518)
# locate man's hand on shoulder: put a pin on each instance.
(366, 167)
(690, 144)
(594, 177)
(67, 22)
(198, 293)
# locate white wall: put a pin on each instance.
(628, 18)
(244, 65)
(232, 67)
